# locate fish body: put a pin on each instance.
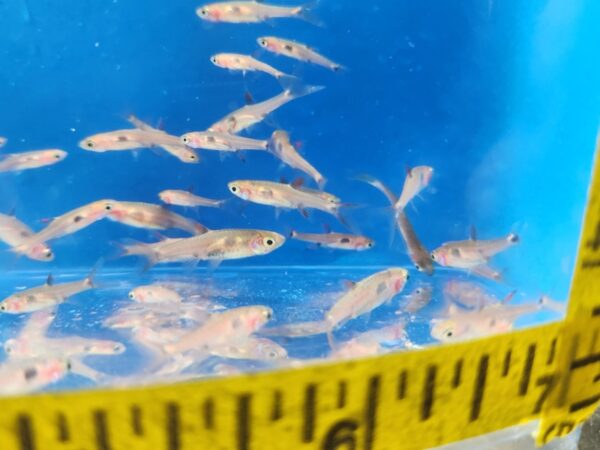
(472, 253)
(282, 148)
(31, 160)
(24, 347)
(282, 195)
(297, 50)
(209, 140)
(247, 12)
(338, 241)
(154, 293)
(244, 63)
(45, 296)
(186, 198)
(251, 348)
(175, 148)
(416, 251)
(468, 295)
(222, 328)
(418, 299)
(245, 117)
(131, 139)
(214, 245)
(417, 179)
(29, 375)
(15, 233)
(154, 217)
(370, 342)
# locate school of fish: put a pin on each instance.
(179, 327)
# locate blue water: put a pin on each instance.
(500, 97)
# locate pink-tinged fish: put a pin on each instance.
(470, 324)
(120, 140)
(29, 375)
(159, 315)
(15, 162)
(338, 241)
(297, 50)
(417, 179)
(45, 296)
(214, 245)
(222, 328)
(154, 293)
(244, 63)
(283, 195)
(71, 346)
(251, 348)
(182, 152)
(209, 140)
(370, 342)
(472, 253)
(153, 217)
(418, 299)
(186, 198)
(250, 12)
(282, 148)
(416, 251)
(249, 115)
(468, 295)
(15, 233)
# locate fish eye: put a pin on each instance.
(433, 256)
(69, 365)
(57, 156)
(89, 144)
(193, 157)
(203, 12)
(118, 348)
(2, 307)
(185, 139)
(418, 267)
(370, 244)
(449, 333)
(234, 188)
(268, 314)
(272, 354)
(263, 42)
(131, 296)
(269, 242)
(213, 59)
(108, 207)
(48, 253)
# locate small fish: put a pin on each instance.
(252, 348)
(249, 12)
(471, 253)
(492, 319)
(157, 315)
(68, 223)
(15, 162)
(29, 375)
(45, 296)
(154, 293)
(222, 328)
(335, 240)
(209, 140)
(186, 198)
(15, 233)
(418, 299)
(215, 245)
(417, 179)
(298, 51)
(179, 151)
(245, 63)
(282, 148)
(154, 217)
(249, 115)
(468, 295)
(133, 139)
(370, 342)
(282, 195)
(71, 346)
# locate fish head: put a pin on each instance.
(424, 173)
(218, 60)
(101, 347)
(193, 139)
(241, 189)
(424, 264)
(17, 347)
(447, 330)
(92, 144)
(55, 155)
(268, 349)
(397, 278)
(40, 252)
(266, 42)
(255, 317)
(166, 196)
(363, 243)
(136, 294)
(211, 13)
(440, 256)
(264, 242)
(52, 369)
(16, 304)
(100, 209)
(114, 210)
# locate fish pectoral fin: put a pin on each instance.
(49, 280)
(303, 211)
(486, 271)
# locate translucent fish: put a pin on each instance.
(297, 50)
(244, 63)
(186, 198)
(471, 253)
(339, 241)
(25, 376)
(15, 233)
(249, 12)
(210, 140)
(154, 293)
(30, 160)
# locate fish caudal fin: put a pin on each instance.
(306, 12)
(90, 280)
(297, 89)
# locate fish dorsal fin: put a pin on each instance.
(327, 228)
(13, 211)
(408, 171)
(283, 180)
(49, 280)
(473, 233)
(160, 125)
(348, 284)
(190, 189)
(161, 237)
(298, 182)
(248, 98)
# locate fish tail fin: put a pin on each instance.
(306, 12)
(288, 81)
(90, 280)
(377, 184)
(552, 305)
(198, 228)
(330, 339)
(139, 249)
(321, 181)
(295, 88)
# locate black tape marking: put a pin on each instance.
(402, 380)
(584, 403)
(243, 421)
(25, 432)
(428, 393)
(371, 411)
(506, 365)
(457, 373)
(62, 428)
(551, 353)
(101, 429)
(208, 413)
(136, 420)
(310, 399)
(526, 375)
(596, 311)
(588, 360)
(479, 389)
(173, 426)
(341, 400)
(276, 412)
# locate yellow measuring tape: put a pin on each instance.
(411, 400)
